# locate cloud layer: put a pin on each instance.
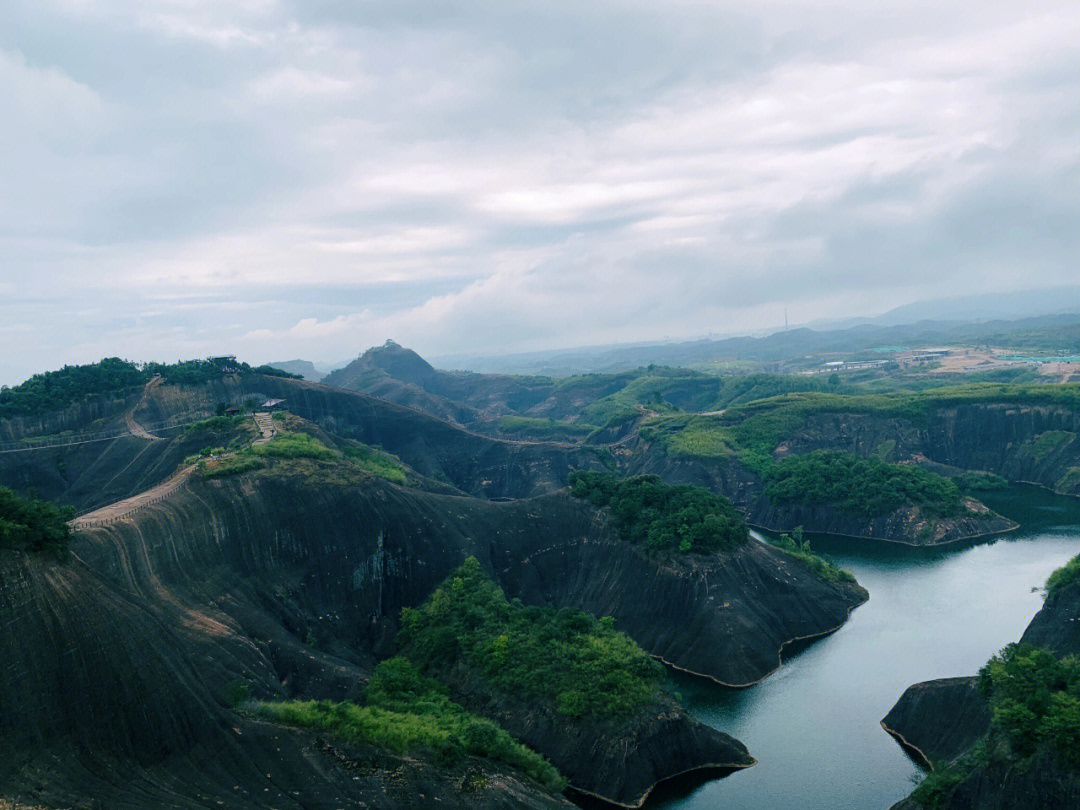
(276, 178)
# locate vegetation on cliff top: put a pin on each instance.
(662, 517)
(563, 659)
(866, 486)
(31, 524)
(51, 390)
(543, 428)
(799, 548)
(1034, 701)
(295, 445)
(406, 713)
(1063, 577)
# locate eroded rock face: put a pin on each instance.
(937, 721)
(1056, 627)
(1042, 783)
(294, 585)
(943, 719)
(620, 761)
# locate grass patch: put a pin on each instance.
(701, 437)
(794, 545)
(406, 713)
(661, 517)
(377, 462)
(542, 428)
(235, 464)
(295, 445)
(563, 659)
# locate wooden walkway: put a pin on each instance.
(121, 509)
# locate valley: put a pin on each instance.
(274, 562)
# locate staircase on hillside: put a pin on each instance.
(265, 423)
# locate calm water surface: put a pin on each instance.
(814, 725)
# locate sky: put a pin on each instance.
(283, 179)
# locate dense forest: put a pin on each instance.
(661, 517)
(51, 390)
(563, 658)
(868, 486)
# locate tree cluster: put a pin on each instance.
(31, 524)
(663, 517)
(566, 659)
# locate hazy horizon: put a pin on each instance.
(281, 179)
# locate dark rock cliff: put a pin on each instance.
(105, 702)
(292, 580)
(620, 761)
(937, 721)
(944, 718)
(1057, 626)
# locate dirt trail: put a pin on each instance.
(129, 418)
(129, 506)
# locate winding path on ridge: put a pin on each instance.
(129, 418)
(129, 506)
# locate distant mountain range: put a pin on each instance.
(1046, 320)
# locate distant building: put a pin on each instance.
(272, 404)
(851, 365)
(232, 410)
(930, 354)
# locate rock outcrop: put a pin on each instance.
(941, 720)
(937, 721)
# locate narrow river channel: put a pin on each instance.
(814, 725)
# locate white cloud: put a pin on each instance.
(490, 175)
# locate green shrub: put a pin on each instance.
(867, 486)
(238, 463)
(1035, 703)
(377, 462)
(564, 658)
(797, 547)
(295, 445)
(1063, 577)
(661, 517)
(934, 792)
(973, 481)
(31, 524)
(683, 436)
(1044, 444)
(405, 713)
(218, 423)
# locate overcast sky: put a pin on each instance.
(281, 179)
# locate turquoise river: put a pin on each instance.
(814, 725)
